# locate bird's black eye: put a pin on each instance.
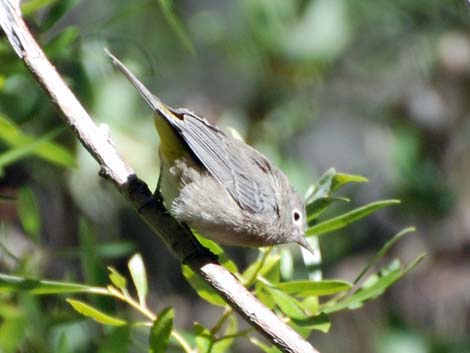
(296, 215)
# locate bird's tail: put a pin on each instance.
(153, 101)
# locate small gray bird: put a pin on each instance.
(219, 186)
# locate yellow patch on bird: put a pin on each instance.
(171, 144)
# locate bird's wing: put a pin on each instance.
(243, 171)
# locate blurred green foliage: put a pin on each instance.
(282, 73)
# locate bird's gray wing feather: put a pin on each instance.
(240, 168)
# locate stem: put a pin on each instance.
(250, 282)
(186, 347)
(235, 335)
(223, 318)
(150, 315)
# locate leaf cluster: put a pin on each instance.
(305, 304)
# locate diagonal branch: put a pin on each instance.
(177, 237)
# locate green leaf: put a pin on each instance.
(320, 196)
(373, 287)
(175, 24)
(315, 208)
(116, 278)
(30, 7)
(217, 250)
(161, 331)
(286, 264)
(12, 330)
(263, 295)
(95, 314)
(332, 181)
(323, 188)
(205, 291)
(28, 212)
(63, 345)
(311, 304)
(15, 284)
(92, 267)
(288, 305)
(61, 44)
(204, 338)
(116, 340)
(313, 288)
(115, 250)
(56, 12)
(139, 277)
(269, 262)
(349, 217)
(273, 273)
(319, 322)
(383, 251)
(265, 348)
(341, 179)
(24, 145)
(223, 344)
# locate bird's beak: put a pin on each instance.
(302, 241)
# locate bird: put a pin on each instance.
(218, 185)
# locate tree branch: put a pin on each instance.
(177, 237)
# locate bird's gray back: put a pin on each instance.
(244, 172)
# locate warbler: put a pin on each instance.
(219, 186)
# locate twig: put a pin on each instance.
(177, 237)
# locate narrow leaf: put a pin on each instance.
(39, 147)
(95, 314)
(161, 330)
(29, 213)
(383, 251)
(341, 179)
(264, 296)
(317, 207)
(288, 305)
(116, 278)
(349, 217)
(372, 289)
(175, 24)
(205, 291)
(217, 250)
(320, 196)
(311, 304)
(30, 7)
(323, 187)
(203, 338)
(23, 145)
(265, 348)
(14, 284)
(62, 42)
(223, 344)
(286, 264)
(312, 288)
(319, 322)
(56, 12)
(269, 262)
(116, 340)
(139, 277)
(115, 250)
